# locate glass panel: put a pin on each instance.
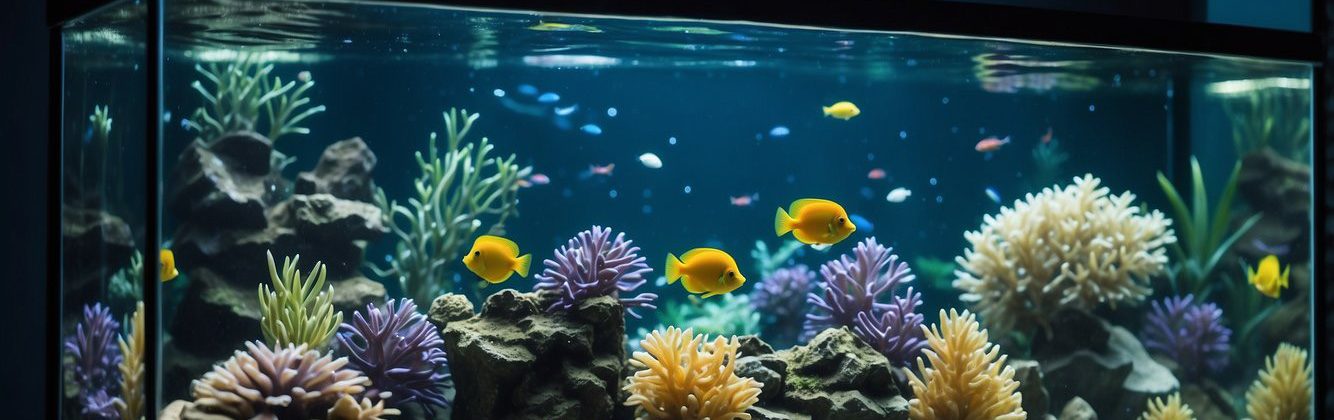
(1288, 15)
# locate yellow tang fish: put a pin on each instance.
(494, 259)
(564, 27)
(705, 270)
(814, 221)
(1267, 278)
(168, 260)
(843, 110)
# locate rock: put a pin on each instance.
(771, 380)
(449, 308)
(1275, 185)
(837, 376)
(1110, 374)
(1029, 374)
(1208, 400)
(95, 244)
(180, 368)
(353, 294)
(751, 345)
(344, 171)
(216, 191)
(323, 217)
(1078, 409)
(762, 413)
(220, 316)
(244, 152)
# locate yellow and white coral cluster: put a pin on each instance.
(263, 382)
(1283, 390)
(1172, 409)
(1071, 247)
(967, 379)
(681, 376)
(131, 404)
(347, 408)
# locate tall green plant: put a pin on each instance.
(1203, 240)
(296, 311)
(241, 91)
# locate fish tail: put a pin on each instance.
(673, 268)
(522, 265)
(782, 222)
(610, 167)
(826, 110)
(1005, 140)
(1283, 279)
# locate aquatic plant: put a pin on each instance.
(347, 408)
(728, 315)
(1047, 162)
(1267, 113)
(93, 348)
(590, 265)
(1204, 240)
(131, 403)
(967, 379)
(401, 353)
(455, 192)
(126, 284)
(289, 382)
(1172, 409)
(297, 311)
(850, 296)
(682, 376)
(1284, 389)
(767, 261)
(1190, 333)
(938, 273)
(780, 299)
(241, 90)
(1071, 247)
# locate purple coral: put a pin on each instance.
(96, 355)
(850, 296)
(1190, 333)
(781, 298)
(400, 352)
(593, 265)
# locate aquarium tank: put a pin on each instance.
(364, 209)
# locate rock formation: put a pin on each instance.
(835, 376)
(1101, 363)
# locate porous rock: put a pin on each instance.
(837, 376)
(344, 171)
(449, 308)
(1101, 363)
(223, 185)
(1029, 375)
(95, 245)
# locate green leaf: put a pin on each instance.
(1222, 214)
(1182, 215)
(1200, 208)
(1227, 244)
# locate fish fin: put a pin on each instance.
(827, 110)
(1005, 140)
(796, 206)
(709, 295)
(499, 279)
(782, 222)
(673, 268)
(692, 285)
(610, 167)
(522, 264)
(1250, 275)
(1283, 278)
(692, 253)
(805, 238)
(508, 244)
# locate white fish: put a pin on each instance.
(549, 98)
(591, 129)
(779, 131)
(650, 160)
(821, 247)
(993, 195)
(898, 195)
(567, 110)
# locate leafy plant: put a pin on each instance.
(1203, 240)
(241, 90)
(296, 311)
(766, 262)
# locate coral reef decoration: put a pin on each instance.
(131, 403)
(400, 352)
(1191, 333)
(780, 299)
(728, 315)
(683, 376)
(288, 382)
(242, 90)
(766, 261)
(593, 264)
(896, 333)
(93, 347)
(1172, 409)
(851, 296)
(347, 408)
(967, 378)
(1072, 247)
(297, 311)
(455, 192)
(1284, 389)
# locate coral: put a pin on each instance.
(850, 296)
(1190, 333)
(681, 376)
(729, 315)
(131, 404)
(241, 90)
(1072, 247)
(400, 352)
(290, 382)
(1283, 391)
(126, 284)
(967, 379)
(780, 299)
(297, 311)
(347, 408)
(454, 193)
(1203, 240)
(93, 347)
(896, 333)
(1172, 409)
(591, 265)
(767, 262)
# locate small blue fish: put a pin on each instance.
(591, 129)
(88, 135)
(500, 93)
(862, 224)
(549, 98)
(779, 131)
(993, 195)
(527, 89)
(567, 110)
(185, 124)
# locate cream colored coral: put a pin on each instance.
(1283, 390)
(347, 408)
(264, 382)
(1072, 247)
(131, 403)
(1172, 409)
(683, 377)
(967, 380)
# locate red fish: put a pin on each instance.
(601, 170)
(1046, 138)
(876, 173)
(745, 200)
(539, 179)
(523, 183)
(991, 144)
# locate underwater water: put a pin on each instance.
(1130, 228)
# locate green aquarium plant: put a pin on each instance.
(458, 187)
(1268, 113)
(244, 98)
(937, 273)
(1204, 239)
(126, 285)
(297, 312)
(767, 261)
(1048, 160)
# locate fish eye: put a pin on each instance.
(477, 253)
(842, 221)
(731, 274)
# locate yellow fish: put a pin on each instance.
(564, 27)
(843, 110)
(814, 221)
(168, 260)
(494, 259)
(1267, 278)
(705, 270)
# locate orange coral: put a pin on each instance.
(681, 376)
(967, 380)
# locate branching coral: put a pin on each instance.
(766, 262)
(1204, 240)
(592, 264)
(131, 404)
(728, 315)
(296, 311)
(454, 193)
(967, 379)
(347, 408)
(126, 285)
(1283, 391)
(850, 296)
(401, 353)
(93, 347)
(1072, 247)
(1190, 333)
(896, 332)
(288, 383)
(682, 376)
(780, 299)
(241, 90)
(1172, 409)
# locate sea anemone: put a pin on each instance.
(401, 353)
(780, 298)
(96, 356)
(1172, 409)
(347, 408)
(296, 311)
(897, 332)
(1073, 247)
(1283, 390)
(681, 376)
(288, 383)
(850, 296)
(1190, 333)
(967, 379)
(592, 265)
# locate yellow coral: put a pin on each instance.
(683, 377)
(131, 403)
(966, 380)
(1072, 247)
(1172, 409)
(347, 408)
(1283, 391)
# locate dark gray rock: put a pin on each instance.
(323, 217)
(217, 191)
(1208, 400)
(751, 345)
(344, 171)
(95, 244)
(771, 380)
(763, 413)
(220, 317)
(244, 152)
(837, 376)
(1110, 374)
(354, 293)
(1029, 374)
(1078, 409)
